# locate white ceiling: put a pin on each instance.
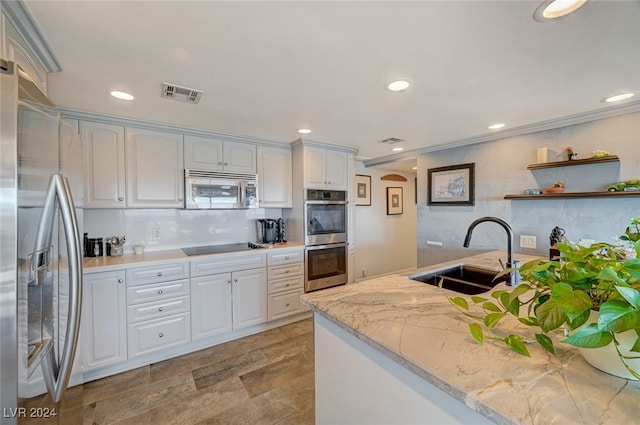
(268, 68)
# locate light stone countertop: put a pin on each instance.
(105, 263)
(415, 325)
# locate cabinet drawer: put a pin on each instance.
(280, 285)
(159, 273)
(277, 258)
(155, 335)
(157, 292)
(155, 310)
(287, 270)
(285, 304)
(228, 263)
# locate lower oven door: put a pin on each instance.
(326, 266)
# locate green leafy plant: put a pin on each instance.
(560, 294)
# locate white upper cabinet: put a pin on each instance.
(274, 177)
(104, 166)
(155, 172)
(325, 168)
(204, 153)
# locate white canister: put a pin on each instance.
(543, 155)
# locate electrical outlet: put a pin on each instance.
(155, 234)
(527, 241)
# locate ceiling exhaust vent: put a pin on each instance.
(391, 141)
(184, 94)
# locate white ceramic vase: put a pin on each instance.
(606, 358)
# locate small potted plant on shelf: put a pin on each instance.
(557, 187)
(570, 152)
(590, 296)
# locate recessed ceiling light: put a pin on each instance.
(552, 9)
(496, 126)
(398, 85)
(618, 97)
(304, 131)
(121, 95)
(398, 149)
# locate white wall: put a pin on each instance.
(178, 228)
(501, 169)
(385, 243)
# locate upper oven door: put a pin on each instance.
(325, 222)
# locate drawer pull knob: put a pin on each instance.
(287, 284)
(119, 280)
(160, 334)
(160, 291)
(286, 271)
(235, 280)
(159, 273)
(161, 309)
(120, 199)
(287, 305)
(229, 281)
(286, 258)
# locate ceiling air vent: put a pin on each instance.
(391, 141)
(184, 94)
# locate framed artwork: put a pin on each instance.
(453, 185)
(363, 190)
(394, 200)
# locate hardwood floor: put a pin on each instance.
(267, 378)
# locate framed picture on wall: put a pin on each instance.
(394, 200)
(452, 185)
(363, 190)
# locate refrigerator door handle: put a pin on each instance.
(56, 375)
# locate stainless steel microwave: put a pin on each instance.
(208, 190)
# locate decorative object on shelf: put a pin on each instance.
(632, 185)
(557, 187)
(394, 200)
(600, 153)
(542, 155)
(556, 236)
(562, 295)
(533, 192)
(583, 161)
(570, 152)
(452, 185)
(363, 190)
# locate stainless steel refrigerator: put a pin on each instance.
(41, 256)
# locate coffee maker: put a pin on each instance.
(267, 230)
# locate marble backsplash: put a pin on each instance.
(161, 229)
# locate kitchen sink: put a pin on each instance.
(463, 278)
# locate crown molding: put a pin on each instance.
(21, 19)
(552, 124)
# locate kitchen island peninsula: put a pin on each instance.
(394, 350)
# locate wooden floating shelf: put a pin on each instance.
(574, 195)
(610, 158)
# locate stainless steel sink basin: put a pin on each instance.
(465, 279)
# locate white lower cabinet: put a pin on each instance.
(286, 283)
(228, 301)
(104, 319)
(158, 308)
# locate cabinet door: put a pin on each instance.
(210, 305)
(104, 319)
(155, 177)
(203, 153)
(315, 167)
(249, 298)
(104, 170)
(239, 157)
(274, 177)
(336, 170)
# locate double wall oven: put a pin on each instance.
(325, 217)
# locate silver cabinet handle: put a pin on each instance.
(160, 308)
(56, 375)
(235, 280)
(159, 273)
(219, 162)
(120, 280)
(160, 291)
(286, 258)
(180, 200)
(120, 199)
(229, 281)
(160, 334)
(226, 163)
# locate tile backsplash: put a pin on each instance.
(160, 229)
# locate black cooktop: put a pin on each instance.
(218, 249)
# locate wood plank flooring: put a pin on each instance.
(267, 378)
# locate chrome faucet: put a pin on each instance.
(514, 275)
